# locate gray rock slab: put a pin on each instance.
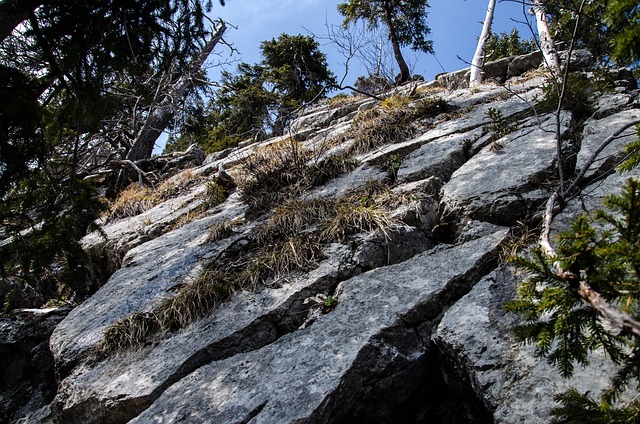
(596, 131)
(475, 335)
(438, 158)
(124, 384)
(496, 185)
(311, 375)
(148, 271)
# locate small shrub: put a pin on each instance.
(214, 194)
(395, 103)
(329, 304)
(577, 98)
(498, 127)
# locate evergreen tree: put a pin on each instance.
(612, 33)
(505, 45)
(260, 99)
(406, 23)
(587, 298)
(72, 74)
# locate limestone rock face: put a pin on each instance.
(336, 360)
(400, 325)
(501, 184)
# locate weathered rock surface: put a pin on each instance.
(475, 336)
(502, 183)
(418, 333)
(336, 360)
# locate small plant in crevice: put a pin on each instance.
(329, 304)
(499, 127)
(393, 166)
(222, 229)
(467, 146)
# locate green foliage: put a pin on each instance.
(259, 100)
(578, 97)
(406, 22)
(505, 45)
(71, 77)
(632, 153)
(329, 304)
(603, 249)
(623, 16)
(498, 127)
(610, 29)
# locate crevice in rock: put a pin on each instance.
(401, 377)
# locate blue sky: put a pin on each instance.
(455, 27)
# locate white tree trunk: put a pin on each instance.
(478, 58)
(547, 45)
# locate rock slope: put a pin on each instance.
(402, 326)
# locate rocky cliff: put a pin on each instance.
(355, 274)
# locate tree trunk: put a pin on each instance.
(404, 69)
(160, 114)
(547, 45)
(478, 58)
(14, 12)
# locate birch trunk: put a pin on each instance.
(547, 45)
(161, 113)
(478, 58)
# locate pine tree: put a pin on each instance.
(598, 256)
(406, 23)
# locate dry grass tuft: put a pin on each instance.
(132, 330)
(222, 230)
(292, 218)
(271, 171)
(358, 217)
(275, 261)
(131, 201)
(195, 300)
